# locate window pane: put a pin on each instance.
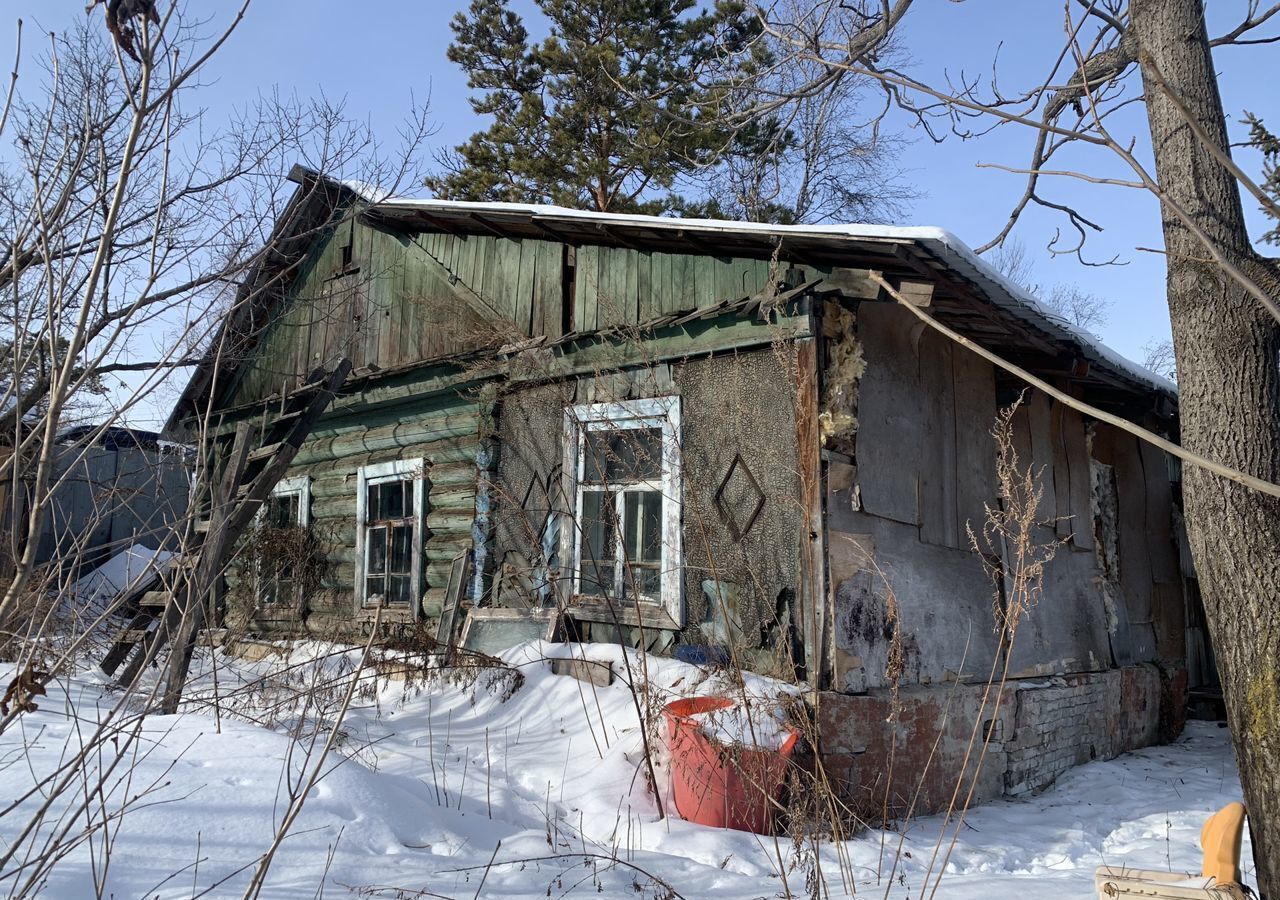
(376, 554)
(268, 591)
(622, 455)
(375, 587)
(651, 516)
(284, 590)
(598, 532)
(372, 501)
(644, 580)
(393, 506)
(402, 549)
(281, 510)
(398, 588)
(642, 517)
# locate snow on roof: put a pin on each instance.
(1000, 290)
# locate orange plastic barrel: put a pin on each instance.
(721, 785)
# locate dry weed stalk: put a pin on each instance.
(1015, 556)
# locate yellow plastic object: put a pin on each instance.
(1221, 838)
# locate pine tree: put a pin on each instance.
(605, 113)
(1266, 141)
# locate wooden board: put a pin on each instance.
(1077, 448)
(889, 414)
(1160, 538)
(492, 631)
(975, 399)
(938, 510)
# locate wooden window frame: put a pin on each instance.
(300, 486)
(395, 470)
(658, 412)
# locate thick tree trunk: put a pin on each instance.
(1228, 352)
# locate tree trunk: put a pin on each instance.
(1228, 353)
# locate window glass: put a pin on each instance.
(642, 518)
(624, 451)
(376, 563)
(275, 575)
(390, 521)
(598, 532)
(622, 455)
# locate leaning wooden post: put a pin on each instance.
(241, 491)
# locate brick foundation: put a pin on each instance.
(1040, 728)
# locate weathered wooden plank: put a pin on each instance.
(645, 308)
(411, 294)
(938, 467)
(387, 272)
(705, 289)
(631, 295)
(498, 279)
(975, 414)
(684, 290)
(1073, 432)
(611, 301)
(526, 278)
(1135, 559)
(1063, 522)
(1040, 422)
(1159, 515)
(889, 414)
(587, 288)
(548, 290)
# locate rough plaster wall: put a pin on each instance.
(742, 405)
(737, 405)
(530, 441)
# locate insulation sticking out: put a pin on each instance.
(1106, 527)
(846, 364)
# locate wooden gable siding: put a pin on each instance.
(619, 286)
(403, 298)
(407, 298)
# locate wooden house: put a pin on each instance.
(718, 439)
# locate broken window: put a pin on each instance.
(284, 514)
(390, 512)
(625, 468)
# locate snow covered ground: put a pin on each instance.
(488, 784)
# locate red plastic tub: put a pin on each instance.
(717, 784)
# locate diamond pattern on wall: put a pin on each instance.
(739, 499)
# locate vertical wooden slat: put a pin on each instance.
(938, 469)
(545, 312)
(644, 286)
(1081, 480)
(975, 413)
(526, 277)
(1061, 511)
(500, 276)
(587, 285)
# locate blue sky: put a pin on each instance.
(382, 54)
